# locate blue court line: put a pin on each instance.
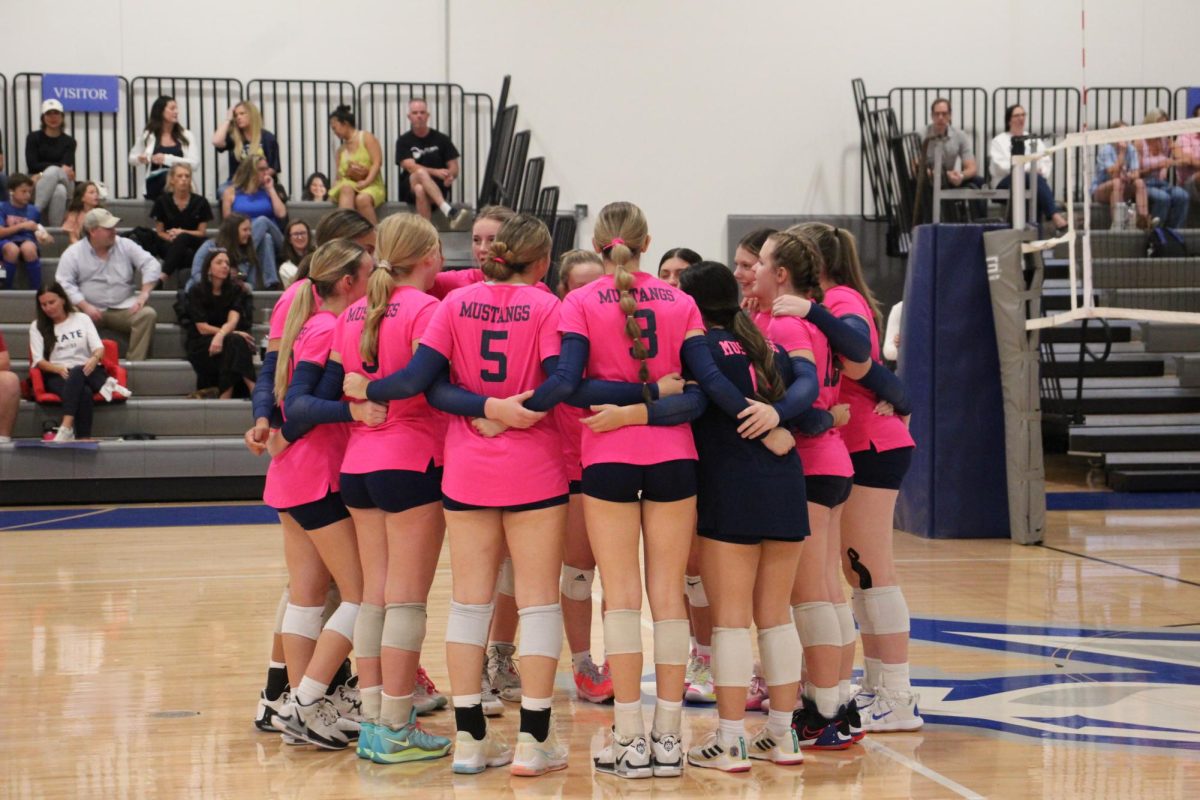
(136, 517)
(1114, 501)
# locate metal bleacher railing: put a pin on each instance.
(296, 111)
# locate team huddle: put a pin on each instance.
(732, 427)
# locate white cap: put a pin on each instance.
(51, 105)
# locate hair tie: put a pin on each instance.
(615, 242)
(500, 260)
(383, 264)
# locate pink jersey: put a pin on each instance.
(414, 433)
(865, 428)
(451, 279)
(282, 306)
(762, 321)
(825, 454)
(496, 337)
(665, 316)
(308, 469)
(571, 429)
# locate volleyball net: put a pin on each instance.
(1129, 254)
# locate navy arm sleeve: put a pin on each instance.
(445, 396)
(699, 361)
(802, 391)
(813, 422)
(886, 386)
(848, 336)
(263, 399)
(418, 376)
(304, 406)
(564, 379)
(680, 408)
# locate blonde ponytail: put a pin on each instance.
(620, 234)
(403, 241)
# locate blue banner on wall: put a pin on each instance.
(83, 92)
(1193, 100)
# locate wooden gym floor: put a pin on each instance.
(131, 658)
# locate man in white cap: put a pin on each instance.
(99, 275)
(50, 157)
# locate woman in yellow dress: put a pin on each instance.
(359, 182)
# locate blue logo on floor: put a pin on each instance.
(1120, 687)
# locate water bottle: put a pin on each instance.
(1130, 217)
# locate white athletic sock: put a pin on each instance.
(277, 665)
(779, 722)
(395, 711)
(728, 731)
(627, 719)
(872, 673)
(704, 651)
(578, 659)
(825, 698)
(535, 703)
(895, 677)
(843, 692)
(445, 207)
(371, 698)
(668, 716)
(310, 690)
(467, 700)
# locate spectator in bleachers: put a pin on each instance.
(86, 197)
(316, 188)
(430, 164)
(50, 157)
(242, 135)
(674, 262)
(217, 315)
(1187, 160)
(20, 232)
(65, 345)
(1000, 154)
(253, 194)
(10, 394)
(1155, 157)
(959, 167)
(181, 219)
(1117, 179)
(236, 237)
(98, 274)
(359, 182)
(163, 144)
(297, 243)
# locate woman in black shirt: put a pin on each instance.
(216, 316)
(50, 156)
(181, 220)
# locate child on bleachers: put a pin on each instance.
(85, 198)
(20, 232)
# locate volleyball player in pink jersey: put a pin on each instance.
(303, 480)
(391, 481)
(494, 336)
(791, 265)
(578, 268)
(340, 224)
(881, 449)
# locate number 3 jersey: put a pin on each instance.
(413, 433)
(664, 315)
(496, 337)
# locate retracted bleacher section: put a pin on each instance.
(175, 448)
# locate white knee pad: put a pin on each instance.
(672, 641)
(404, 626)
(623, 631)
(302, 621)
(342, 620)
(693, 587)
(281, 609)
(817, 624)
(541, 631)
(505, 583)
(858, 601)
(576, 583)
(887, 610)
(368, 631)
(782, 657)
(846, 623)
(468, 624)
(732, 658)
